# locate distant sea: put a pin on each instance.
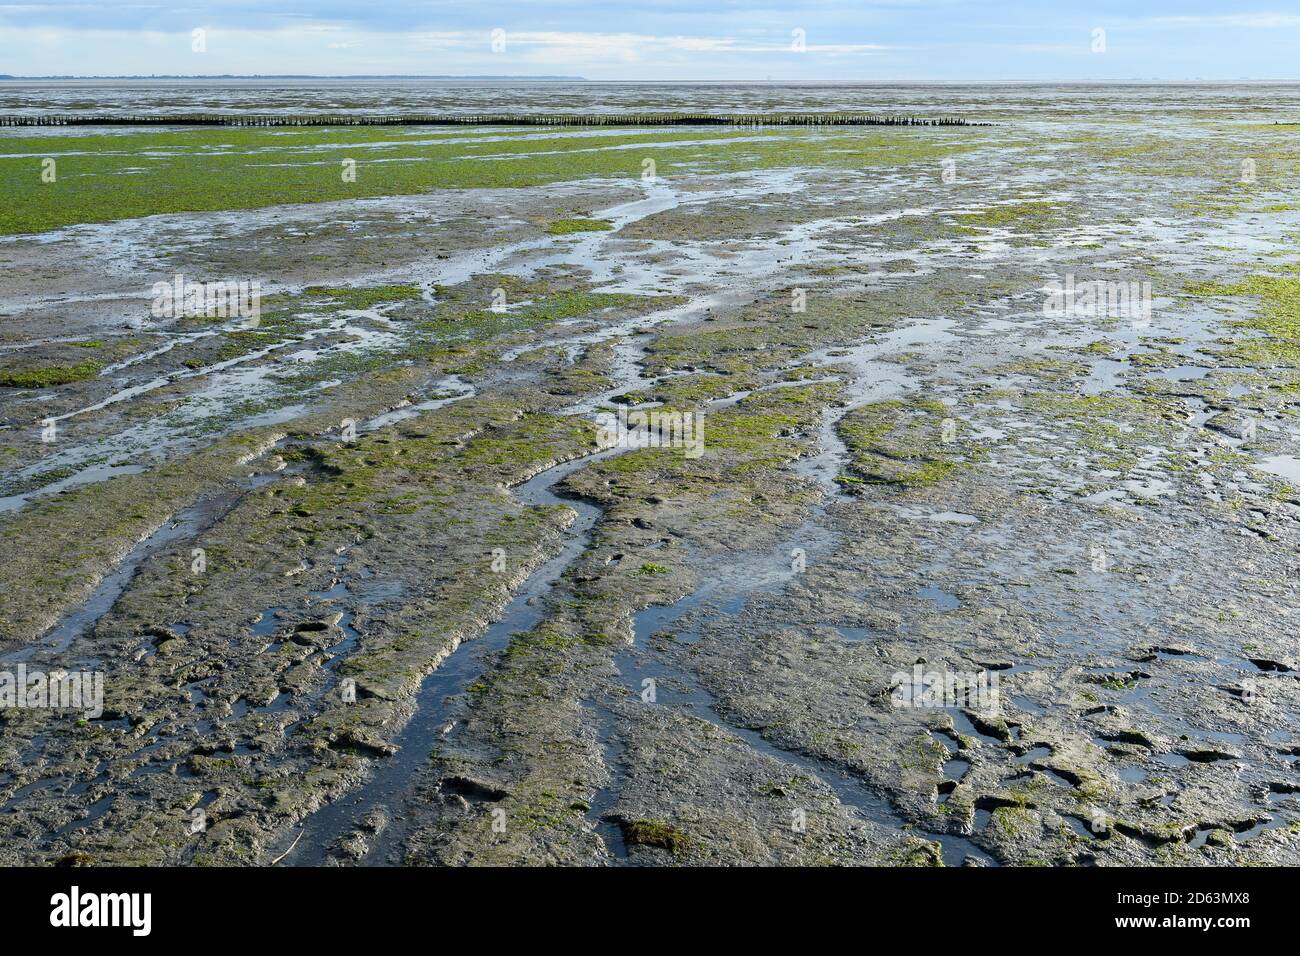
(377, 96)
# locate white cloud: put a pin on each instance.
(596, 44)
(1260, 21)
(327, 48)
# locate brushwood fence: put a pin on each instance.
(490, 119)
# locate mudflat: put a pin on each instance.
(850, 495)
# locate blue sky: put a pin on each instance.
(842, 40)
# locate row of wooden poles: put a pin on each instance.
(495, 119)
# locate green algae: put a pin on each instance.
(1034, 216)
(48, 376)
(365, 297)
(564, 227)
(55, 552)
(927, 854)
(479, 325)
(903, 443)
(766, 429)
(1114, 428)
(657, 834)
(1278, 317)
(120, 176)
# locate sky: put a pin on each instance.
(719, 40)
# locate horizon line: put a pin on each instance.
(545, 77)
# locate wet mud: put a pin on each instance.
(371, 581)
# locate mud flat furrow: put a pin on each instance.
(687, 693)
(385, 789)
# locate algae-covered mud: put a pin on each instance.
(908, 496)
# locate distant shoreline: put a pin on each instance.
(506, 78)
(299, 76)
